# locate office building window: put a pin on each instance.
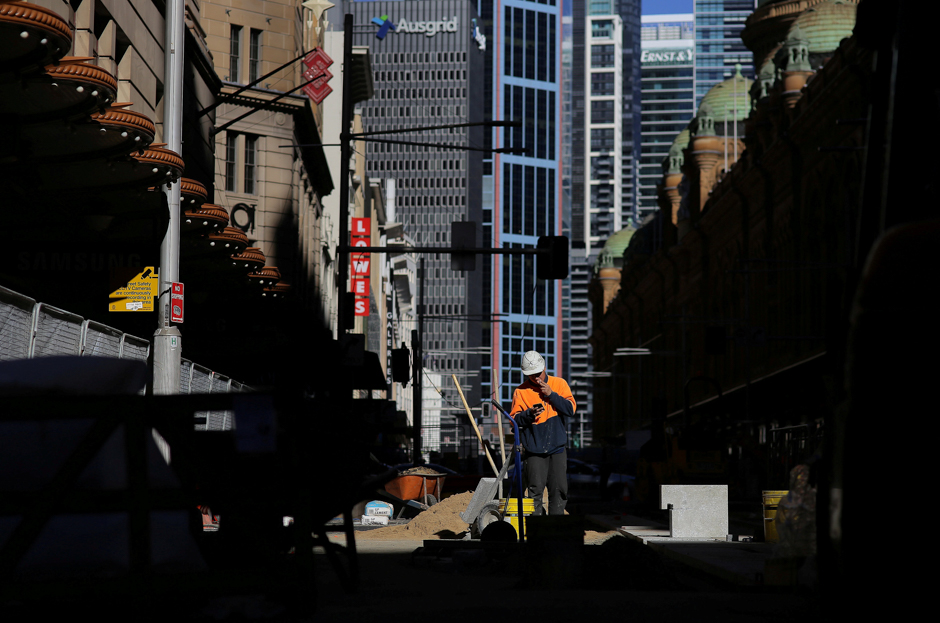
(251, 164)
(230, 155)
(254, 55)
(235, 46)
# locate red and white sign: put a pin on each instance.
(317, 63)
(176, 303)
(360, 264)
(360, 287)
(361, 227)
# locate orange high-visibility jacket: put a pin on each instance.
(546, 433)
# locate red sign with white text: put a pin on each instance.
(360, 264)
(176, 303)
(361, 227)
(360, 287)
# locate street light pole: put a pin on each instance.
(167, 341)
(345, 136)
(418, 386)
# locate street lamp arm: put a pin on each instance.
(492, 124)
(480, 251)
(419, 144)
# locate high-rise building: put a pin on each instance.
(428, 72)
(668, 102)
(605, 131)
(718, 45)
(522, 193)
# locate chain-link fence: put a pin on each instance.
(30, 329)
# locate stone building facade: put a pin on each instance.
(738, 289)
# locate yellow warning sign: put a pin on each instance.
(138, 294)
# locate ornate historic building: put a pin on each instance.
(733, 298)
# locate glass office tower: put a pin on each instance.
(668, 101)
(521, 193)
(718, 45)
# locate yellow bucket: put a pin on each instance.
(512, 513)
(771, 501)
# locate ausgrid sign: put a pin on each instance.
(429, 29)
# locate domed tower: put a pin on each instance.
(811, 40)
(609, 264)
(769, 24)
(718, 133)
(672, 174)
(824, 26)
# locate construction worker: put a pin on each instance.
(540, 406)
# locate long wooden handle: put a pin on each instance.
(474, 423)
(499, 420)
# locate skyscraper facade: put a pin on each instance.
(668, 102)
(718, 45)
(522, 193)
(428, 71)
(605, 132)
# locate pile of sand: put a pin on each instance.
(441, 521)
(592, 537)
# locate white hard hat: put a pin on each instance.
(532, 363)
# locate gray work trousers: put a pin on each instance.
(549, 470)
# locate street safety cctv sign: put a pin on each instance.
(138, 294)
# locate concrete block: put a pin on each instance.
(698, 511)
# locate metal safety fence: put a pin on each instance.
(30, 329)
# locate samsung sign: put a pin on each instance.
(429, 29)
(682, 56)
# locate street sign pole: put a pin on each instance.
(167, 341)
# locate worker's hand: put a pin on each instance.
(544, 390)
(528, 416)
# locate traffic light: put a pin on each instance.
(401, 365)
(463, 235)
(554, 263)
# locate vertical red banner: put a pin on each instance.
(360, 235)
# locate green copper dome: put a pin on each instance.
(672, 163)
(612, 253)
(721, 98)
(682, 140)
(826, 24)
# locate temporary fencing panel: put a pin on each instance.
(16, 322)
(56, 332)
(135, 348)
(101, 340)
(30, 329)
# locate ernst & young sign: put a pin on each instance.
(671, 56)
